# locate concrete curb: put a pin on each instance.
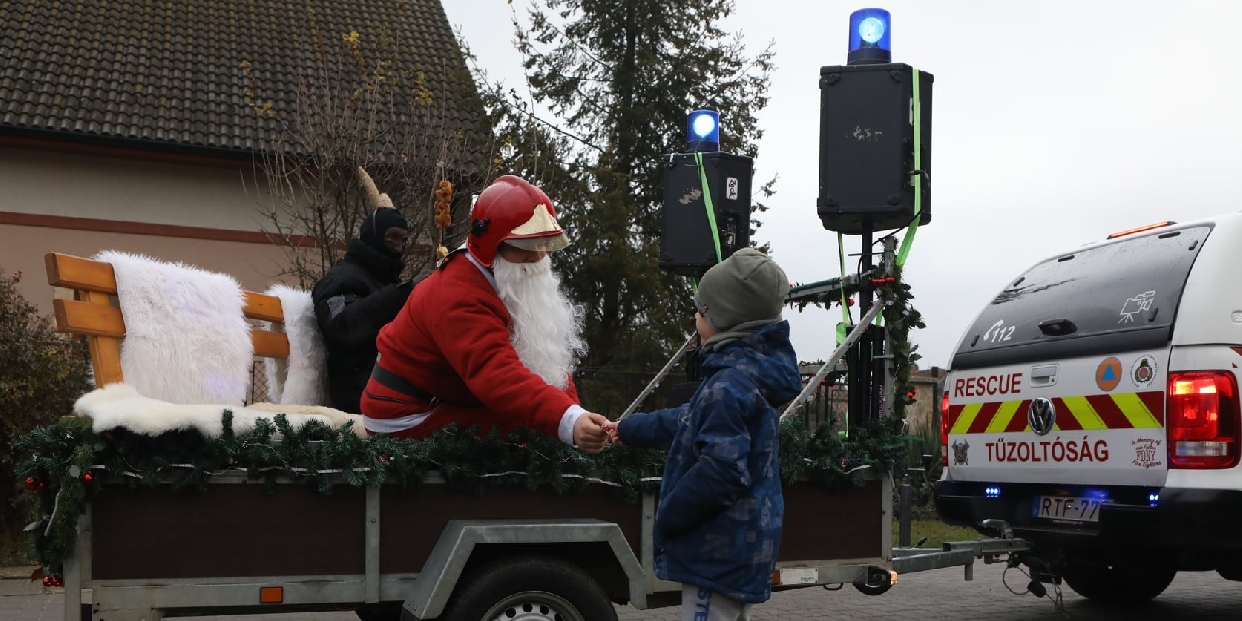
(20, 572)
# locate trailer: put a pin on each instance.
(240, 544)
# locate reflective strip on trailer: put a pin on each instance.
(1132, 410)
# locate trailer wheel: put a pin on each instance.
(530, 588)
(1118, 584)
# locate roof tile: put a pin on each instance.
(171, 72)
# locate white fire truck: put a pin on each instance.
(1092, 410)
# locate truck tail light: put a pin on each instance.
(1203, 420)
(944, 429)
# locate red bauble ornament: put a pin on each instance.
(31, 482)
(40, 486)
(88, 478)
(47, 581)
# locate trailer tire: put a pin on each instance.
(530, 588)
(1119, 585)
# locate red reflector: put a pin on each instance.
(1148, 227)
(944, 428)
(271, 595)
(1204, 420)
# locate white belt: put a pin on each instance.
(394, 425)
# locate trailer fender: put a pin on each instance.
(444, 566)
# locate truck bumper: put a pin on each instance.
(1179, 519)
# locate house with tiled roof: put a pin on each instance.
(133, 124)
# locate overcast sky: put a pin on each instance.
(1054, 124)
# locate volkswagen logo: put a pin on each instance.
(1042, 416)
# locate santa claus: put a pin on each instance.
(489, 338)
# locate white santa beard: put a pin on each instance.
(547, 327)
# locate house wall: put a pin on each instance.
(111, 188)
(921, 413)
(80, 204)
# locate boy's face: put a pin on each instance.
(705, 329)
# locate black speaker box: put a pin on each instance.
(686, 246)
(866, 147)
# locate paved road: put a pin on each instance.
(928, 596)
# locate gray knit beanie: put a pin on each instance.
(747, 290)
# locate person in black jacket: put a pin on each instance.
(360, 294)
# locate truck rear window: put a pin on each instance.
(1117, 297)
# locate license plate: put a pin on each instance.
(1067, 508)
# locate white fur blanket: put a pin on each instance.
(119, 405)
(186, 339)
(302, 380)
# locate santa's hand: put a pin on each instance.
(589, 434)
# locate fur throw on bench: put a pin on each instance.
(120, 405)
(186, 338)
(302, 380)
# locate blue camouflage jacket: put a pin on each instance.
(718, 522)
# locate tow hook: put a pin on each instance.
(879, 581)
(1000, 527)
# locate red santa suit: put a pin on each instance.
(447, 358)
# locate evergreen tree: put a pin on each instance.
(42, 373)
(620, 77)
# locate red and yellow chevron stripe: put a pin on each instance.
(1132, 410)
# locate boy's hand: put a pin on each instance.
(589, 434)
(614, 436)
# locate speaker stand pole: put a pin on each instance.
(860, 372)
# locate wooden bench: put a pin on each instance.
(91, 314)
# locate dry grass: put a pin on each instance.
(937, 533)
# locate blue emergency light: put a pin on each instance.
(704, 131)
(871, 32)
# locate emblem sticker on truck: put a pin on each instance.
(1108, 374)
(1143, 371)
(961, 453)
(1147, 452)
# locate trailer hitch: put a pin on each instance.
(879, 580)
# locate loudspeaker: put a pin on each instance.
(866, 147)
(686, 246)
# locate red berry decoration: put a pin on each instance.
(31, 482)
(40, 486)
(88, 478)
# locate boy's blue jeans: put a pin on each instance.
(699, 604)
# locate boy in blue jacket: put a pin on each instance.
(718, 525)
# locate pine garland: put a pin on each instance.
(68, 462)
(901, 317)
